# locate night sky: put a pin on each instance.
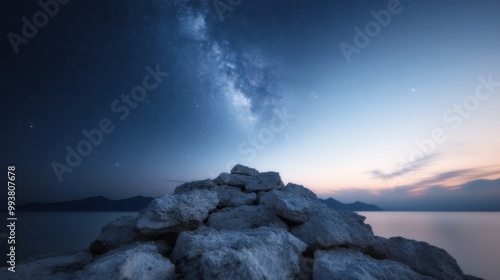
(379, 101)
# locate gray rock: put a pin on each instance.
(206, 184)
(137, 261)
(244, 170)
(327, 228)
(228, 195)
(120, 232)
(177, 212)
(57, 265)
(232, 197)
(293, 202)
(244, 217)
(262, 253)
(419, 256)
(236, 180)
(301, 191)
(264, 181)
(348, 264)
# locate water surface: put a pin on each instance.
(472, 238)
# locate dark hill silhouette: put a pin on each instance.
(356, 206)
(91, 204)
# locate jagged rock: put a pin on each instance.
(177, 212)
(136, 261)
(293, 202)
(262, 253)
(419, 256)
(264, 181)
(236, 180)
(206, 184)
(327, 228)
(228, 195)
(301, 191)
(244, 217)
(57, 265)
(348, 264)
(120, 232)
(232, 197)
(244, 170)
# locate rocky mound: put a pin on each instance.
(243, 225)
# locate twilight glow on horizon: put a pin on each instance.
(387, 102)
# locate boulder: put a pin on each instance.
(57, 265)
(262, 253)
(244, 217)
(135, 261)
(228, 195)
(293, 202)
(244, 170)
(177, 212)
(419, 256)
(232, 197)
(264, 181)
(120, 232)
(328, 228)
(236, 180)
(348, 264)
(195, 185)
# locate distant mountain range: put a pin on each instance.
(137, 203)
(356, 206)
(91, 204)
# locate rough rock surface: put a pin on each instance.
(244, 170)
(236, 180)
(244, 217)
(242, 225)
(120, 232)
(293, 202)
(207, 184)
(348, 264)
(327, 228)
(136, 261)
(232, 197)
(262, 253)
(419, 256)
(264, 182)
(57, 265)
(175, 213)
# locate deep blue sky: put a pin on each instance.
(344, 125)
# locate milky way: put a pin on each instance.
(241, 79)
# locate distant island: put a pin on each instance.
(356, 206)
(91, 204)
(137, 203)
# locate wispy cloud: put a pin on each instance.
(467, 188)
(403, 170)
(456, 177)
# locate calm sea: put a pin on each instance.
(471, 237)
